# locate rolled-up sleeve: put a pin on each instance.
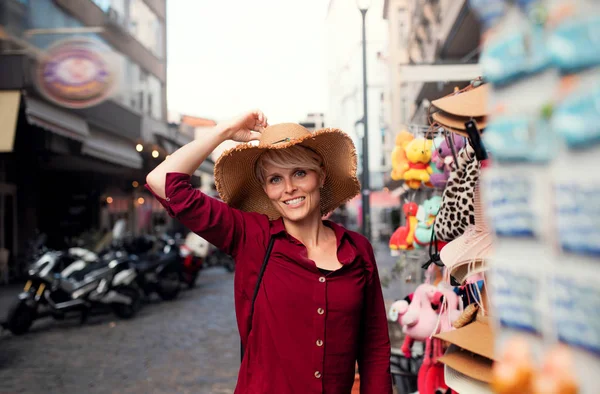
(374, 349)
(225, 227)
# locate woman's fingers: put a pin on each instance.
(260, 120)
(254, 135)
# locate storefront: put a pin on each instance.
(510, 221)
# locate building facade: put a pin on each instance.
(434, 47)
(74, 170)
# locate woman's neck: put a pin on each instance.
(311, 231)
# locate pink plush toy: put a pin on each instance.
(419, 317)
(443, 159)
(419, 320)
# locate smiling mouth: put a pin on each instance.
(294, 201)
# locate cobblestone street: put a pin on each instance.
(189, 345)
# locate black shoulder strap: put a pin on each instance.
(258, 281)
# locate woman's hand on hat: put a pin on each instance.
(247, 127)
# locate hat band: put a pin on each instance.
(280, 141)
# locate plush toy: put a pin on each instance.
(417, 170)
(399, 155)
(424, 228)
(443, 159)
(398, 309)
(432, 164)
(403, 237)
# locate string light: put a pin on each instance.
(109, 200)
(155, 153)
(139, 147)
(135, 184)
(141, 200)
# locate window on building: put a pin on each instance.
(145, 26)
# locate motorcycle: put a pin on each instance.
(155, 259)
(197, 253)
(49, 293)
(159, 269)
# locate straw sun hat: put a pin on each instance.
(235, 175)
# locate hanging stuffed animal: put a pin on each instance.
(399, 154)
(424, 229)
(403, 237)
(444, 160)
(435, 171)
(418, 153)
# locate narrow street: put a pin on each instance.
(189, 345)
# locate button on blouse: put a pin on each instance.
(290, 348)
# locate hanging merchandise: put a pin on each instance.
(399, 159)
(443, 158)
(429, 310)
(573, 35)
(466, 255)
(403, 237)
(457, 211)
(541, 195)
(426, 217)
(417, 170)
(454, 110)
(576, 118)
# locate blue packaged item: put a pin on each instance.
(574, 43)
(488, 11)
(577, 216)
(519, 139)
(577, 118)
(509, 204)
(514, 55)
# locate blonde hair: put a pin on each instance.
(296, 156)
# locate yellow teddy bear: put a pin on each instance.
(417, 170)
(399, 154)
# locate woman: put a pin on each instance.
(319, 306)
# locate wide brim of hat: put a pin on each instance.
(476, 337)
(236, 182)
(466, 372)
(467, 255)
(470, 103)
(457, 122)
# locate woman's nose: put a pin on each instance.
(289, 186)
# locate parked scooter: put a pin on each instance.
(159, 269)
(193, 251)
(199, 253)
(49, 293)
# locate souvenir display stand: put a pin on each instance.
(517, 230)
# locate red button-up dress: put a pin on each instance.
(308, 329)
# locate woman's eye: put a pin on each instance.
(300, 173)
(275, 180)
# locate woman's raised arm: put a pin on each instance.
(188, 158)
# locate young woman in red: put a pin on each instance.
(319, 307)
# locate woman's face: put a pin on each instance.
(295, 193)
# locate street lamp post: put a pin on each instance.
(363, 7)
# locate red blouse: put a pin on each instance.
(308, 329)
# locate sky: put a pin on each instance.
(225, 57)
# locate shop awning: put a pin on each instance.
(56, 120)
(113, 149)
(9, 112)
